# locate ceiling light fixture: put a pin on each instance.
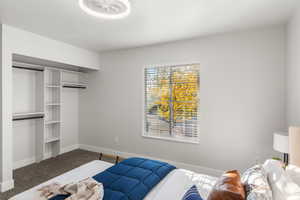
(109, 9)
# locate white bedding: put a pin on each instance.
(173, 186)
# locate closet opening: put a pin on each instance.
(45, 109)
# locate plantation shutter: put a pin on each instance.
(172, 102)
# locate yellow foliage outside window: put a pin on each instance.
(179, 92)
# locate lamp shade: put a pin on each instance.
(294, 145)
(281, 142)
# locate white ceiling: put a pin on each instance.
(151, 21)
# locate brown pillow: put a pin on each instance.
(228, 187)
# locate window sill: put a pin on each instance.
(172, 139)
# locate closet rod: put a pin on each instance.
(29, 68)
(27, 118)
(79, 87)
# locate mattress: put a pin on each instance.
(173, 186)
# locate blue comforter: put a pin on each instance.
(131, 179)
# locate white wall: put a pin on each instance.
(33, 45)
(6, 181)
(24, 100)
(293, 71)
(16, 41)
(242, 99)
(2, 159)
(70, 117)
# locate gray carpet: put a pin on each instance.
(32, 175)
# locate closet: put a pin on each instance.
(45, 111)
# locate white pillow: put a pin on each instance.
(256, 184)
(283, 187)
(294, 172)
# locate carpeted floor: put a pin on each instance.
(34, 174)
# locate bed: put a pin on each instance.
(268, 181)
(173, 186)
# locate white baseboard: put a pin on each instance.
(7, 185)
(28, 161)
(69, 148)
(23, 163)
(195, 168)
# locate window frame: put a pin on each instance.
(179, 140)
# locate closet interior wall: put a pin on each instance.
(49, 97)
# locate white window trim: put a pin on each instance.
(172, 139)
(144, 134)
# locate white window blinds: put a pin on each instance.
(172, 102)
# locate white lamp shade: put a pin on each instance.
(281, 142)
(294, 141)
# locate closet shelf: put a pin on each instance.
(53, 104)
(52, 86)
(28, 115)
(51, 139)
(52, 122)
(74, 85)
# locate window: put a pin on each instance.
(172, 102)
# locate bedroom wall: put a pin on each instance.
(23, 132)
(242, 99)
(17, 41)
(70, 119)
(2, 159)
(293, 70)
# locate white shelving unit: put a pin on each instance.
(46, 106)
(52, 128)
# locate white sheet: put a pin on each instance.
(173, 186)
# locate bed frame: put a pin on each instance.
(109, 156)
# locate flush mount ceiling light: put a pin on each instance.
(109, 9)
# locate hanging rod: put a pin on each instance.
(74, 86)
(27, 118)
(28, 68)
